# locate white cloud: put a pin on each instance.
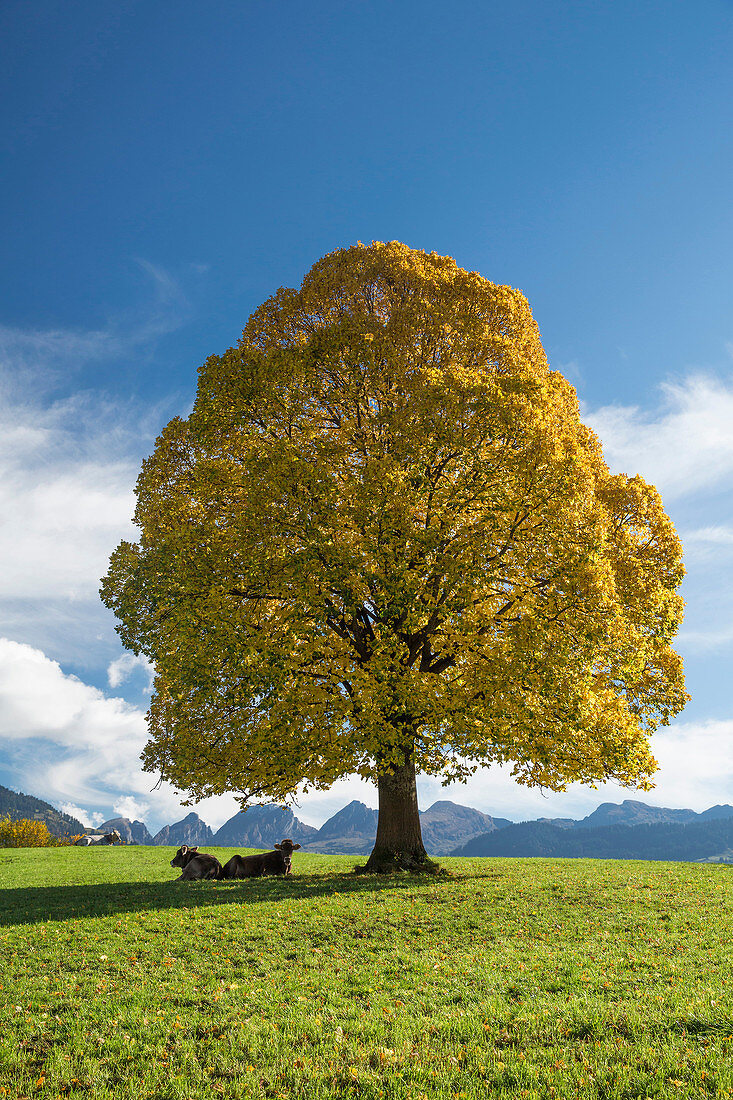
(133, 808)
(214, 811)
(695, 763)
(89, 743)
(316, 807)
(695, 772)
(68, 464)
(68, 467)
(705, 641)
(123, 668)
(720, 536)
(67, 477)
(683, 447)
(40, 701)
(89, 819)
(66, 494)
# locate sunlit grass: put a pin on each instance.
(512, 978)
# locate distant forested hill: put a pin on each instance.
(25, 806)
(665, 840)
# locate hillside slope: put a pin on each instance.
(25, 806)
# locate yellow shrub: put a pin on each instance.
(25, 834)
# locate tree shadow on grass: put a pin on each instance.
(31, 904)
(715, 1026)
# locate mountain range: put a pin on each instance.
(353, 829)
(132, 832)
(261, 827)
(629, 830)
(709, 840)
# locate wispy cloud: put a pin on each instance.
(47, 355)
(683, 447)
(68, 465)
(705, 641)
(31, 349)
(711, 536)
(712, 544)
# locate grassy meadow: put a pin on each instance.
(506, 978)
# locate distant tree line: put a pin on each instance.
(667, 840)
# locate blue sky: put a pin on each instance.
(166, 168)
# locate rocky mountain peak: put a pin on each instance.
(261, 827)
(191, 830)
(132, 832)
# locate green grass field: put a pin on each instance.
(511, 978)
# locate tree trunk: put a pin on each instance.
(399, 845)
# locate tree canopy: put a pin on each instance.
(384, 535)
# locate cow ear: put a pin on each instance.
(295, 846)
(194, 849)
(184, 849)
(278, 845)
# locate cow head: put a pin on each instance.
(287, 848)
(183, 856)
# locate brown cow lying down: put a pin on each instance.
(266, 863)
(195, 865)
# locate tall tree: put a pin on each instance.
(383, 542)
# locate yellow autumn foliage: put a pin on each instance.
(25, 833)
(384, 529)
